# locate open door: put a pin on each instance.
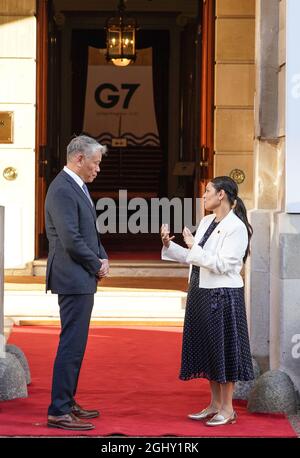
(50, 99)
(205, 164)
(41, 123)
(46, 115)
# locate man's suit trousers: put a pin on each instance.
(75, 314)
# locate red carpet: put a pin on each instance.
(132, 376)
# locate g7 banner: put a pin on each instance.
(119, 101)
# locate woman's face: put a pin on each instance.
(212, 197)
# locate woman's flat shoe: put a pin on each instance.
(219, 420)
(203, 415)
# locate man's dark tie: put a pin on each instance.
(86, 192)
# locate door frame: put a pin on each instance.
(41, 122)
(205, 163)
(47, 105)
(205, 159)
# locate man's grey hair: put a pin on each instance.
(85, 145)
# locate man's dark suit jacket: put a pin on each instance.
(74, 242)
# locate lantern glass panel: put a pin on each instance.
(128, 41)
(114, 42)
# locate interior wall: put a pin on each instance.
(234, 91)
(18, 94)
(186, 7)
(90, 23)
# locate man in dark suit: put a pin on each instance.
(76, 262)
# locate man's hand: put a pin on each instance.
(165, 235)
(103, 272)
(188, 237)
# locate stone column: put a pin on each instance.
(265, 167)
(285, 248)
(277, 150)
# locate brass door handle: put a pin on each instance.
(204, 156)
(10, 173)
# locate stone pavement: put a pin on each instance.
(295, 422)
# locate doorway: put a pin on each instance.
(140, 164)
(145, 171)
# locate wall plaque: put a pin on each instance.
(6, 126)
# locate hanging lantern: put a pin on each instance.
(120, 38)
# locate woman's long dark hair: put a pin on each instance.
(231, 189)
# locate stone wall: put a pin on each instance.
(266, 177)
(234, 91)
(273, 275)
(18, 94)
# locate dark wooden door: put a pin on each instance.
(41, 124)
(47, 115)
(206, 150)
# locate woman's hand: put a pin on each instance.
(188, 237)
(165, 235)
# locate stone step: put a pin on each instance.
(131, 268)
(29, 302)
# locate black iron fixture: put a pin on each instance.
(120, 37)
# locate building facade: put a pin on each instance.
(249, 111)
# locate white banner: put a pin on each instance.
(119, 100)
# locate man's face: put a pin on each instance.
(89, 166)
